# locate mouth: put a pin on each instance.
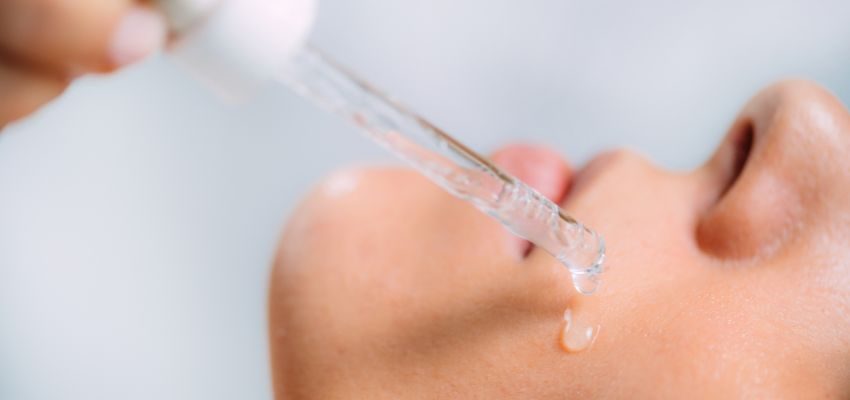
(548, 173)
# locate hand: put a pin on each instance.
(45, 43)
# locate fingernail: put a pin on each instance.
(139, 33)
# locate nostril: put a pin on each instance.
(723, 215)
(741, 144)
(769, 179)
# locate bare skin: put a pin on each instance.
(730, 281)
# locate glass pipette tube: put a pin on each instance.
(450, 164)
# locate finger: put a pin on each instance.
(24, 90)
(79, 35)
(541, 168)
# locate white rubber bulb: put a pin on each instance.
(236, 45)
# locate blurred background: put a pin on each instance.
(139, 215)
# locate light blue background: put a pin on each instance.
(138, 216)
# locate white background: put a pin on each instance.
(138, 216)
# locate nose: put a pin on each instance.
(782, 166)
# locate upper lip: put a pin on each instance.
(584, 176)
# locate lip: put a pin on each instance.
(549, 173)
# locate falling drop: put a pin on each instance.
(576, 335)
(586, 284)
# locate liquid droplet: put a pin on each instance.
(576, 335)
(586, 284)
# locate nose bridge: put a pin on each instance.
(803, 133)
(798, 114)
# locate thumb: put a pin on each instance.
(80, 35)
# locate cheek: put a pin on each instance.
(705, 334)
(390, 231)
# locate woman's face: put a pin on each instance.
(728, 281)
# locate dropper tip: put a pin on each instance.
(587, 280)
